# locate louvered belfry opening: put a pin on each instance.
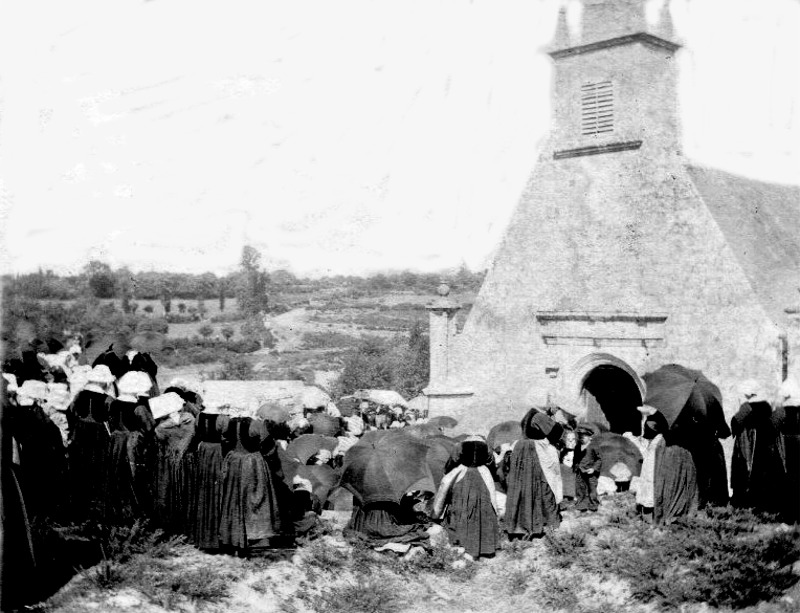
(597, 108)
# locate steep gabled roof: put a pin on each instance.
(762, 224)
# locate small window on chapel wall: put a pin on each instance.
(597, 108)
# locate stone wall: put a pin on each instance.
(620, 232)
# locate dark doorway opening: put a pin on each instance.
(612, 397)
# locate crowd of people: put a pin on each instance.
(101, 443)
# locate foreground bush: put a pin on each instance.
(721, 557)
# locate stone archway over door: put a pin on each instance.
(611, 398)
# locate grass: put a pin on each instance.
(151, 563)
(329, 340)
(358, 595)
(721, 557)
(718, 561)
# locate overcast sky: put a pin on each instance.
(337, 136)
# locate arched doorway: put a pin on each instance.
(611, 397)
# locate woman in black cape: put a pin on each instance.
(252, 516)
(466, 498)
(531, 504)
(206, 505)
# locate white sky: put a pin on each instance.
(337, 136)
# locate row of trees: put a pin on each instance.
(101, 281)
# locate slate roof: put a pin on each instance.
(762, 224)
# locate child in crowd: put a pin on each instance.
(569, 442)
(586, 466)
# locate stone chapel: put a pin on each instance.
(622, 255)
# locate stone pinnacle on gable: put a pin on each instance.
(605, 20)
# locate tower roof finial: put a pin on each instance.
(665, 27)
(562, 38)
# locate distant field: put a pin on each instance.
(315, 333)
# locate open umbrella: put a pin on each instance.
(384, 470)
(440, 451)
(422, 430)
(313, 398)
(615, 448)
(324, 424)
(674, 389)
(348, 405)
(272, 411)
(306, 445)
(504, 432)
(443, 421)
(323, 478)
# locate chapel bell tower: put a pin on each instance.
(615, 85)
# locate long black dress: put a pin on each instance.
(251, 515)
(758, 469)
(530, 503)
(172, 441)
(379, 523)
(675, 489)
(88, 448)
(19, 576)
(207, 495)
(129, 472)
(470, 519)
(787, 420)
(43, 463)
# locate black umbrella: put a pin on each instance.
(615, 448)
(386, 468)
(676, 391)
(504, 432)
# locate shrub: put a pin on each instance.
(228, 332)
(245, 345)
(363, 595)
(328, 340)
(181, 319)
(722, 557)
(153, 325)
(323, 556)
(236, 368)
(556, 590)
(121, 543)
(166, 586)
(254, 329)
(564, 547)
(206, 331)
(224, 318)
(518, 581)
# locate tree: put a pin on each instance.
(228, 332)
(181, 307)
(166, 301)
(413, 366)
(366, 367)
(221, 295)
(125, 288)
(148, 308)
(206, 331)
(201, 307)
(99, 278)
(254, 328)
(251, 290)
